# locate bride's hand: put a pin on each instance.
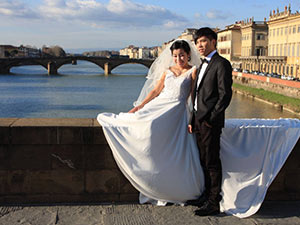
(190, 129)
(133, 110)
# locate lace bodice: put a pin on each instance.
(177, 87)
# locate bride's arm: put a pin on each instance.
(152, 94)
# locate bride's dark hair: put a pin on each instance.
(180, 44)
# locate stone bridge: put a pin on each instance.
(52, 64)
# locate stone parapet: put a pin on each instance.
(69, 161)
(58, 160)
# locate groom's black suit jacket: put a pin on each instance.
(214, 92)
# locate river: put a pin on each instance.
(82, 91)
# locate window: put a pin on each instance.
(277, 31)
(273, 32)
(288, 50)
(287, 70)
(284, 50)
(260, 37)
(292, 70)
(293, 50)
(223, 51)
(281, 31)
(290, 30)
(298, 28)
(298, 50)
(280, 53)
(294, 29)
(285, 30)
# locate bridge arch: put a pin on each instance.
(126, 63)
(75, 62)
(22, 62)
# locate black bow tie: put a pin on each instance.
(204, 61)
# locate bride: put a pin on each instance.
(155, 152)
(151, 144)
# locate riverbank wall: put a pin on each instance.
(69, 161)
(284, 87)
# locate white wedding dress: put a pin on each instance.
(153, 148)
(160, 158)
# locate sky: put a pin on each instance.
(115, 24)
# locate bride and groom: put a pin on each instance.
(151, 143)
(168, 145)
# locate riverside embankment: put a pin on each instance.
(283, 94)
(69, 161)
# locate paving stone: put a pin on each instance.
(277, 213)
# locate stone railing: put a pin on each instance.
(68, 161)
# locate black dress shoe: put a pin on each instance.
(198, 202)
(208, 209)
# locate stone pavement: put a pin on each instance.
(282, 213)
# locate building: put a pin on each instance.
(141, 52)
(284, 41)
(12, 51)
(229, 43)
(131, 51)
(254, 44)
(2, 51)
(144, 53)
(155, 51)
(254, 38)
(188, 34)
(21, 51)
(31, 51)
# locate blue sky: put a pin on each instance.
(106, 24)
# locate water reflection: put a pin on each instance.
(244, 107)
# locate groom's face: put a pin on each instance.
(205, 45)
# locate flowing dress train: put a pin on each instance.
(160, 158)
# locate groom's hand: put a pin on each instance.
(190, 128)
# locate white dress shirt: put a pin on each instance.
(200, 76)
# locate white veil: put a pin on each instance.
(161, 64)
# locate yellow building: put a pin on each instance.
(254, 38)
(284, 40)
(254, 44)
(131, 51)
(229, 43)
(188, 34)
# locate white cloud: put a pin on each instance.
(114, 14)
(217, 14)
(16, 9)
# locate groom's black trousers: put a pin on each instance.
(208, 141)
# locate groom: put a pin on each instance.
(212, 95)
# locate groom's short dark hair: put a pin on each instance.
(206, 32)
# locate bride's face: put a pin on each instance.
(180, 57)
